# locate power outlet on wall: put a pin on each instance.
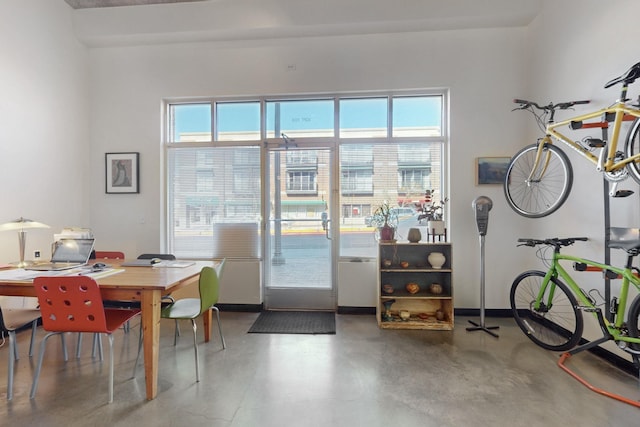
(36, 254)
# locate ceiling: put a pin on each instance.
(88, 4)
(99, 23)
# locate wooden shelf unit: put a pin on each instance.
(423, 304)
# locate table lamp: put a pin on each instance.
(20, 225)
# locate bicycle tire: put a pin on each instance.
(557, 327)
(633, 321)
(631, 148)
(543, 197)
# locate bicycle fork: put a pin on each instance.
(541, 162)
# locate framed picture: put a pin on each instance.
(122, 175)
(491, 170)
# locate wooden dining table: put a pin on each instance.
(144, 284)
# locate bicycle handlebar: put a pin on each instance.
(554, 241)
(551, 107)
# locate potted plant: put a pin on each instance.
(432, 213)
(386, 220)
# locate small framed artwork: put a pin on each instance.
(491, 170)
(122, 175)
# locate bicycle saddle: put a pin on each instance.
(627, 239)
(629, 77)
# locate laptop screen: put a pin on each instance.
(72, 250)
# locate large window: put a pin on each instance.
(390, 148)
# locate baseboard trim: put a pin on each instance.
(356, 310)
(248, 308)
(492, 312)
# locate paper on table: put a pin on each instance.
(19, 274)
(104, 273)
(22, 274)
(174, 264)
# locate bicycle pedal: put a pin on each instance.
(623, 193)
(595, 142)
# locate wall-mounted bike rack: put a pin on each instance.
(604, 125)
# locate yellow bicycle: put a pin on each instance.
(539, 177)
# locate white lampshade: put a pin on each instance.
(20, 225)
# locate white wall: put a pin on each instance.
(482, 68)
(44, 135)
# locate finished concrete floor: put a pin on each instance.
(362, 376)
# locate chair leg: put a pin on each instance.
(14, 350)
(36, 376)
(176, 333)
(13, 356)
(79, 345)
(97, 343)
(195, 347)
(110, 336)
(135, 365)
(64, 347)
(219, 326)
(170, 299)
(34, 327)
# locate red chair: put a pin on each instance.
(109, 255)
(74, 304)
(96, 340)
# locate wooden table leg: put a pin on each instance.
(150, 304)
(206, 320)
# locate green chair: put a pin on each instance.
(192, 308)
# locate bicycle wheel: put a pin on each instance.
(632, 147)
(546, 191)
(633, 321)
(557, 324)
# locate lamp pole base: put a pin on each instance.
(479, 327)
(22, 264)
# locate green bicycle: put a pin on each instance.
(548, 306)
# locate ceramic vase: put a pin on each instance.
(435, 288)
(436, 259)
(387, 232)
(436, 227)
(414, 235)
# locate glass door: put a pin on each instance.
(299, 261)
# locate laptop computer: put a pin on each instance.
(67, 253)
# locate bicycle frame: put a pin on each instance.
(628, 278)
(621, 111)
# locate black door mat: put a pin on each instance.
(294, 322)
